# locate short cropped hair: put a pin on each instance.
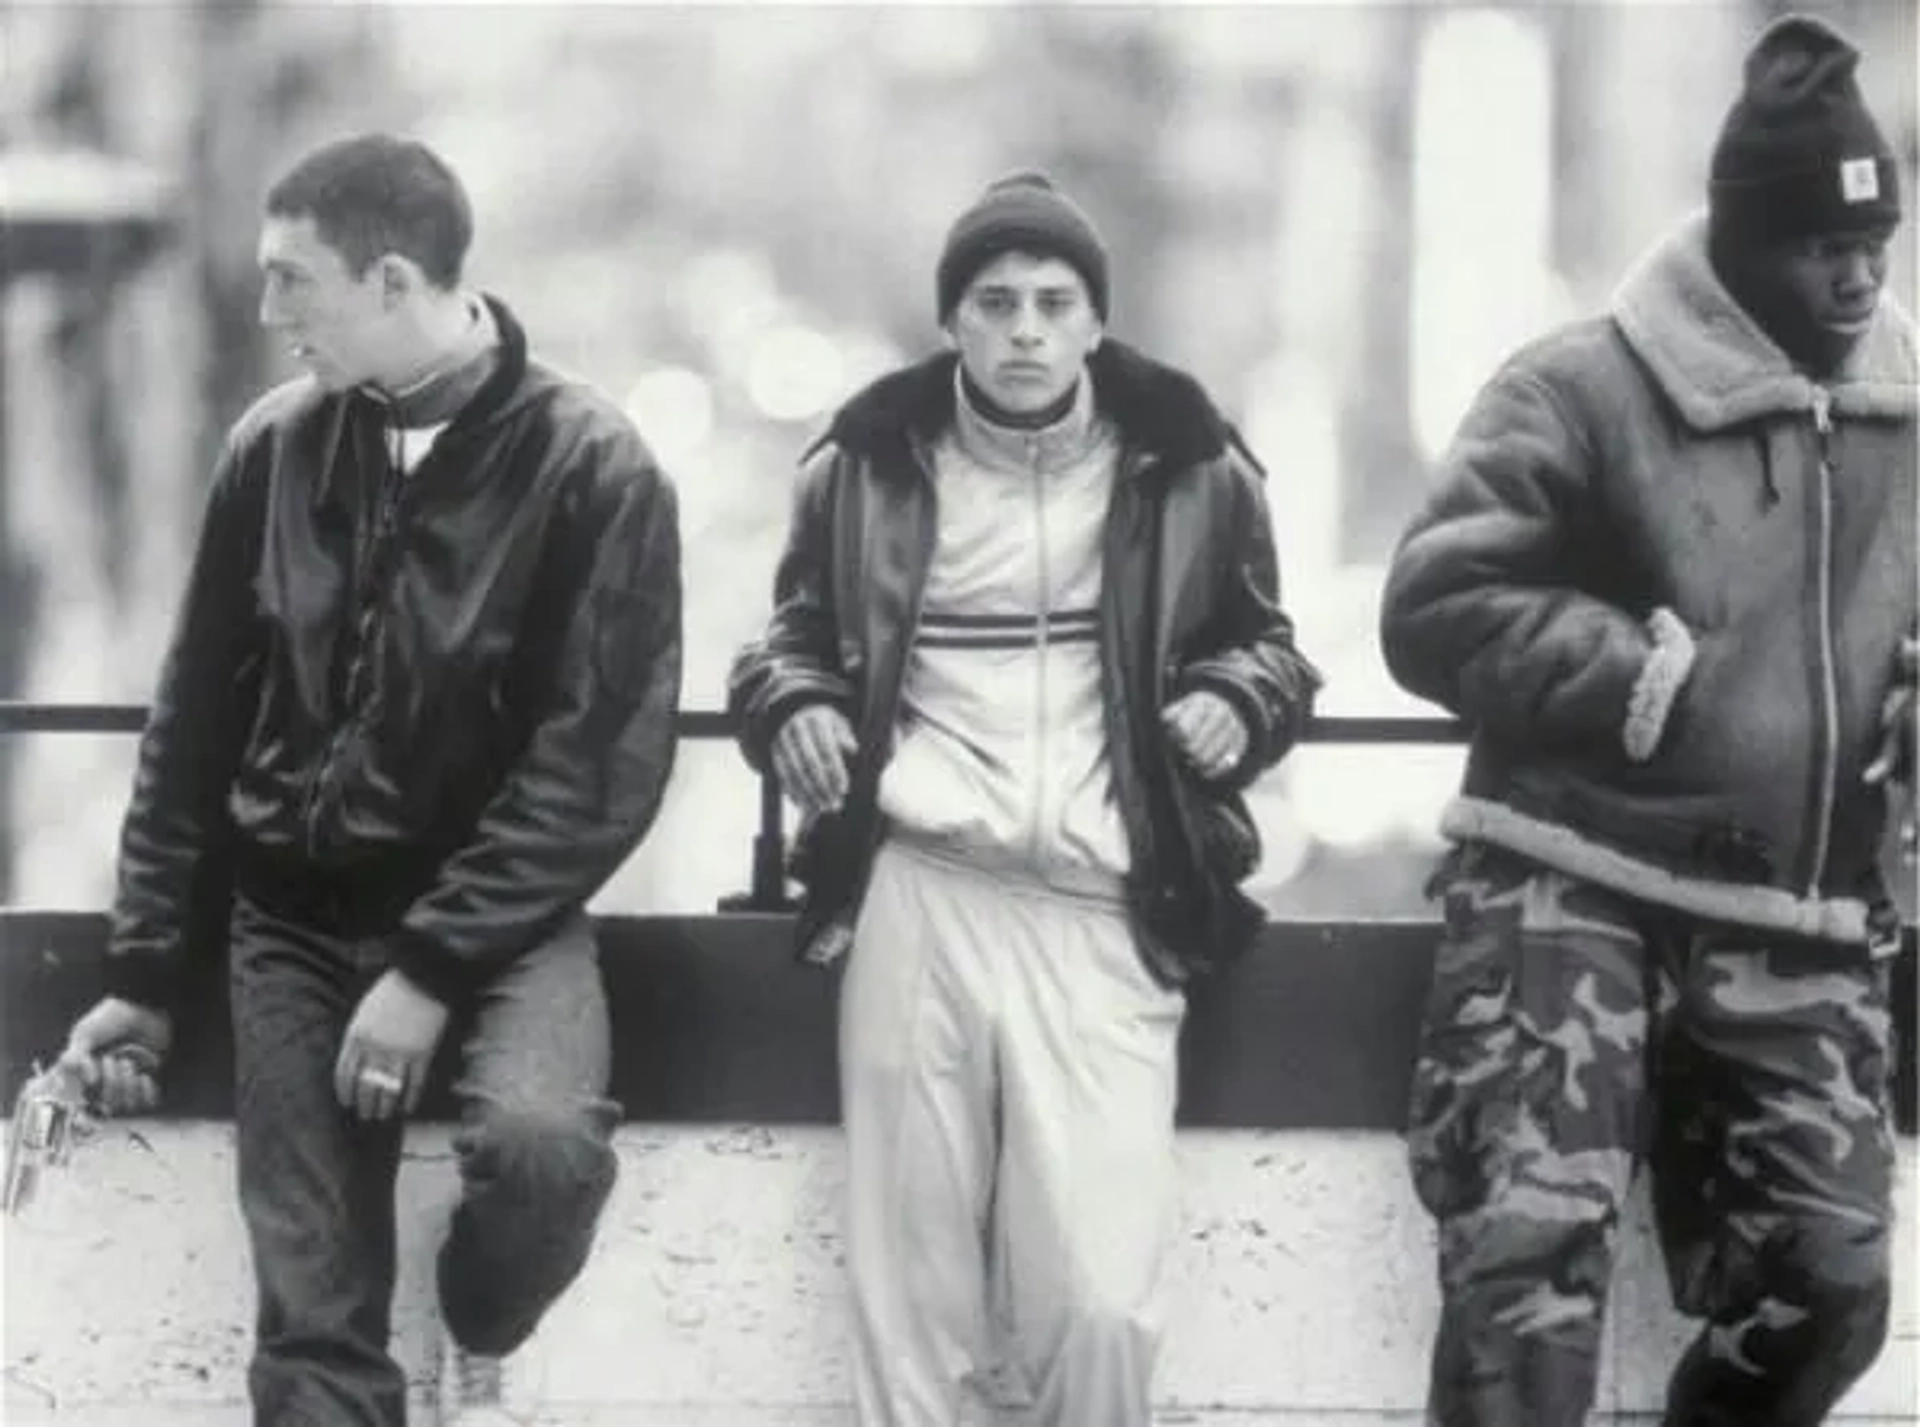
(375, 194)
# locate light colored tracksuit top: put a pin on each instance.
(1000, 754)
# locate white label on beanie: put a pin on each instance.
(1859, 180)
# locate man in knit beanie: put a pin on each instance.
(1025, 211)
(1026, 652)
(1666, 577)
(1804, 194)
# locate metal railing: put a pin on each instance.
(767, 884)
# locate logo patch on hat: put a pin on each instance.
(1859, 180)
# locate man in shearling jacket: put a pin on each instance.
(1667, 576)
(1027, 648)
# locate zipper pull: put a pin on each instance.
(1823, 411)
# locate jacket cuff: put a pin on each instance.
(145, 978)
(1658, 686)
(447, 978)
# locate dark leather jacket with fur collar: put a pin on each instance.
(1189, 598)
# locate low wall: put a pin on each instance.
(1302, 1285)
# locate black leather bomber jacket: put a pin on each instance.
(435, 709)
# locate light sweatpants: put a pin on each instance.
(1008, 1076)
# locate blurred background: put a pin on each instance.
(1340, 216)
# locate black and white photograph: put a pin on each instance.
(1023, 713)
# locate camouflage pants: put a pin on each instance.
(1573, 1034)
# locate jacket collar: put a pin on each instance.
(436, 397)
(1159, 412)
(504, 364)
(498, 394)
(1719, 367)
(1058, 444)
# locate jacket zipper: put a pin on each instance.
(1036, 832)
(377, 567)
(1829, 685)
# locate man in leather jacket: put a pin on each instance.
(1027, 649)
(419, 705)
(1667, 575)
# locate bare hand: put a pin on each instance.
(1207, 731)
(387, 1049)
(116, 1049)
(810, 757)
(1895, 759)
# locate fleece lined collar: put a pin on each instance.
(1717, 365)
(1156, 409)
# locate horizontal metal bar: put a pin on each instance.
(1385, 730)
(22, 717)
(71, 718)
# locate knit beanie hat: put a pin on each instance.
(1022, 211)
(1799, 153)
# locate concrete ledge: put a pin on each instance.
(1302, 1288)
(1302, 1284)
(165, 1415)
(1314, 1029)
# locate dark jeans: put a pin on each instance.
(316, 1183)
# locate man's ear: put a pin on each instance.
(399, 278)
(951, 342)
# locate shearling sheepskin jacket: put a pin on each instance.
(1664, 575)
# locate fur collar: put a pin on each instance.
(1720, 369)
(1158, 410)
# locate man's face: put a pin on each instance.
(1024, 327)
(336, 325)
(1834, 280)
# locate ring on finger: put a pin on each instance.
(376, 1077)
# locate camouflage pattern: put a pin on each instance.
(1572, 1034)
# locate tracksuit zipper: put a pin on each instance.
(1036, 834)
(1829, 684)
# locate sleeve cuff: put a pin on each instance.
(145, 978)
(1658, 686)
(443, 976)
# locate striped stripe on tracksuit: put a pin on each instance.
(1007, 1062)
